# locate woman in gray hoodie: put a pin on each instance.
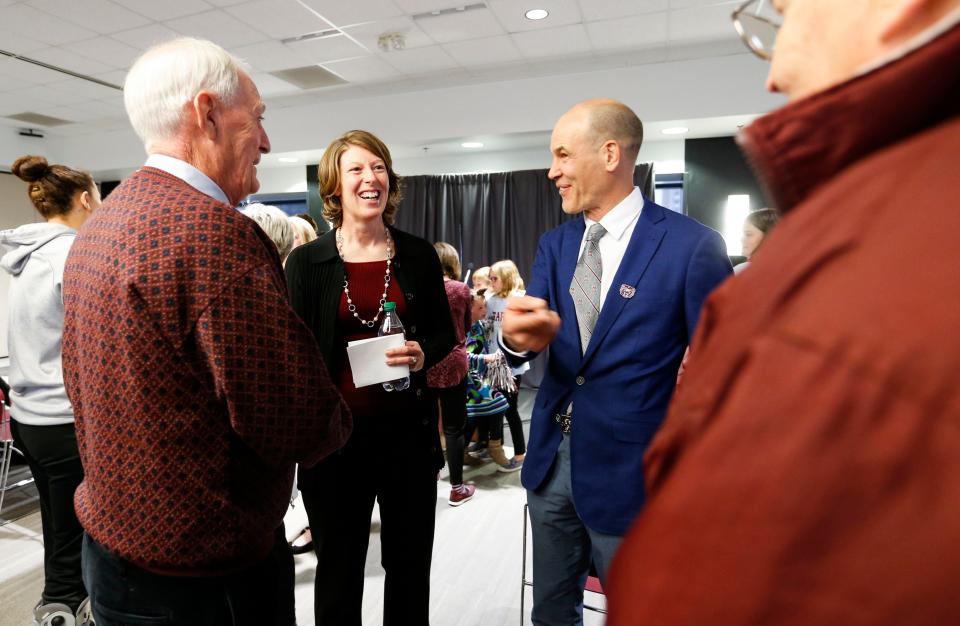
(43, 428)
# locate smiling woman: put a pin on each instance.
(339, 284)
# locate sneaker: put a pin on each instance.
(478, 451)
(85, 614)
(52, 613)
(511, 466)
(460, 494)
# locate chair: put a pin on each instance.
(593, 582)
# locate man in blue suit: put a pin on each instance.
(616, 295)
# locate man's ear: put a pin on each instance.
(611, 155)
(206, 114)
(909, 17)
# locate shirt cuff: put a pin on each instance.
(503, 346)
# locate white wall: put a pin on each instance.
(15, 209)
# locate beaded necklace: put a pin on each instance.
(346, 284)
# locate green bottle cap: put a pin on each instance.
(389, 306)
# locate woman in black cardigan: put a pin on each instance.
(338, 285)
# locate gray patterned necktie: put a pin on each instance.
(585, 288)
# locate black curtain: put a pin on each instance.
(489, 217)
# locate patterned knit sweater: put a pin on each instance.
(196, 387)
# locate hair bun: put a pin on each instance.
(30, 168)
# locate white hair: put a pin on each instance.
(274, 223)
(303, 229)
(168, 76)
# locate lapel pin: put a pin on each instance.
(627, 291)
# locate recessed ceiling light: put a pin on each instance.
(676, 130)
(471, 144)
(536, 14)
(288, 159)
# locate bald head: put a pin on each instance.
(610, 120)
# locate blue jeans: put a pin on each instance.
(563, 548)
(122, 593)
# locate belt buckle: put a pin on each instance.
(565, 421)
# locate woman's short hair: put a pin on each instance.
(302, 230)
(449, 259)
(274, 223)
(328, 173)
(168, 76)
(509, 276)
(306, 217)
(51, 188)
(764, 219)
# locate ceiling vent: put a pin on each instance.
(35, 119)
(452, 11)
(309, 77)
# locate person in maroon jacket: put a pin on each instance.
(196, 387)
(808, 469)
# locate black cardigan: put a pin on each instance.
(315, 282)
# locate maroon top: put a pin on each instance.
(195, 385)
(366, 289)
(453, 368)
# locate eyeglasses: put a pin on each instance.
(757, 23)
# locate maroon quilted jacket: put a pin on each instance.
(196, 387)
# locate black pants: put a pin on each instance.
(54, 461)
(122, 593)
(388, 461)
(453, 409)
(514, 421)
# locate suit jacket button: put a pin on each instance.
(580, 380)
(413, 330)
(409, 296)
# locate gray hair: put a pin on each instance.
(303, 229)
(274, 223)
(168, 76)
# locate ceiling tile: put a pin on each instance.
(116, 76)
(420, 60)
(217, 26)
(461, 25)
(71, 61)
(326, 49)
(9, 83)
(278, 20)
(269, 56)
(145, 36)
(368, 34)
(594, 10)
(364, 70)
(701, 24)
(165, 9)
(225, 3)
(511, 14)
(101, 16)
(343, 13)
(565, 40)
(11, 104)
(639, 31)
(684, 4)
(105, 50)
(28, 72)
(84, 89)
(20, 45)
(269, 86)
(487, 51)
(31, 23)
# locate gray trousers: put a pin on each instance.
(563, 548)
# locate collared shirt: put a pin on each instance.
(188, 174)
(619, 223)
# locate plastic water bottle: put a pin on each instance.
(391, 326)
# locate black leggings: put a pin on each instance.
(453, 411)
(54, 461)
(513, 420)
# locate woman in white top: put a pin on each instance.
(505, 281)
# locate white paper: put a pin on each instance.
(369, 363)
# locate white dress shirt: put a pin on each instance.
(188, 174)
(619, 223)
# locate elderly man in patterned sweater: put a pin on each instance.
(196, 387)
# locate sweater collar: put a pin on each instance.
(803, 145)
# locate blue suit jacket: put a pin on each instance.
(621, 387)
